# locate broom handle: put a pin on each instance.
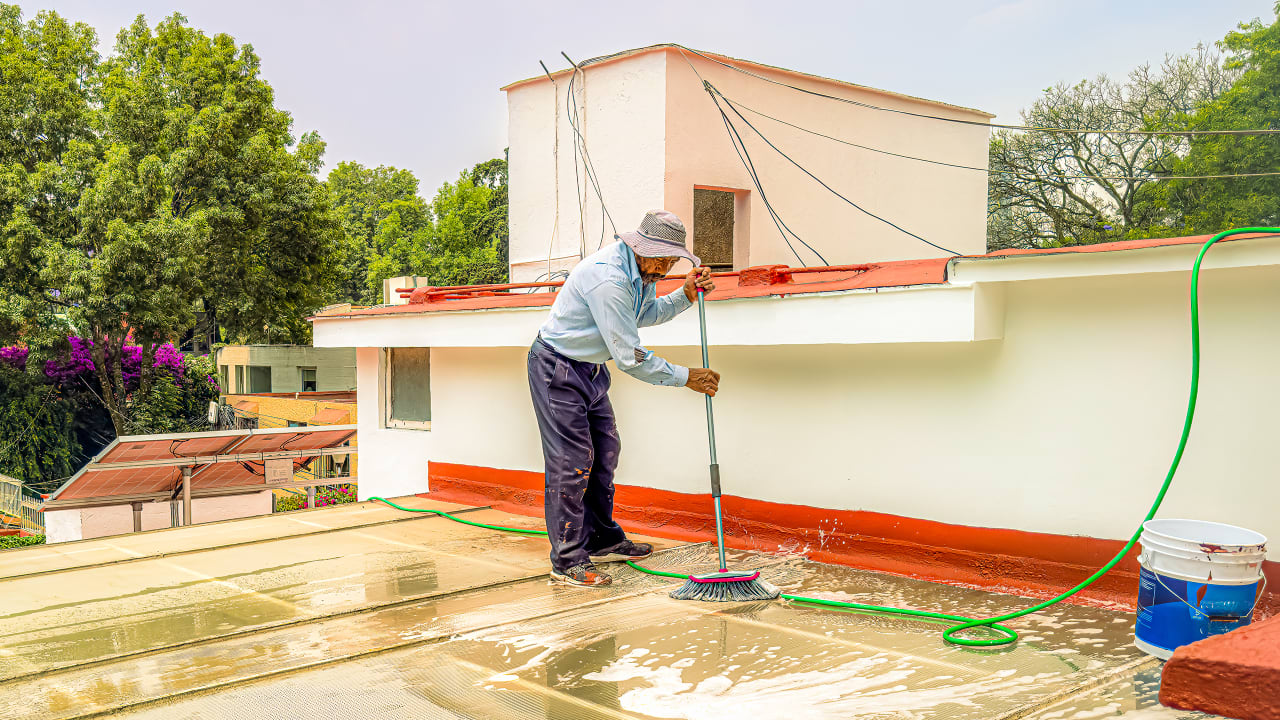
(711, 435)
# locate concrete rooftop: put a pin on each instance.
(365, 611)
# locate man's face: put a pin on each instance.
(654, 269)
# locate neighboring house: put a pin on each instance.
(284, 369)
(656, 140)
(302, 409)
(149, 482)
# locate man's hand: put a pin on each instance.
(699, 277)
(703, 380)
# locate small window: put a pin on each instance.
(259, 379)
(239, 378)
(713, 228)
(295, 423)
(408, 388)
(224, 379)
(308, 379)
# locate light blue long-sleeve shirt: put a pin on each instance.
(598, 313)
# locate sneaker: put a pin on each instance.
(584, 575)
(625, 550)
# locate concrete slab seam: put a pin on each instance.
(193, 551)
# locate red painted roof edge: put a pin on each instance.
(898, 273)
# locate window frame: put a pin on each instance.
(741, 237)
(249, 373)
(385, 359)
(302, 378)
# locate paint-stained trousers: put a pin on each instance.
(580, 447)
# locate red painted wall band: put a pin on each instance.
(1038, 565)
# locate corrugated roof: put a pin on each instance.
(134, 466)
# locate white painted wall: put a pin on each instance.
(1065, 425)
(62, 526)
(915, 314)
(654, 134)
(393, 461)
(622, 108)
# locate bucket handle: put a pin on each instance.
(1206, 616)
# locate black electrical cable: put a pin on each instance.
(579, 147)
(739, 146)
(577, 182)
(588, 166)
(1017, 173)
(712, 89)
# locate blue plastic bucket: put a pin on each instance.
(1197, 579)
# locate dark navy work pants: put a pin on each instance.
(580, 447)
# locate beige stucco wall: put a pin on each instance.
(1064, 425)
(944, 205)
(654, 134)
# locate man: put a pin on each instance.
(596, 316)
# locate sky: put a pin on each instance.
(415, 84)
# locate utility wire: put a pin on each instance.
(1020, 173)
(1034, 128)
(714, 92)
(712, 89)
(740, 147)
(35, 418)
(580, 145)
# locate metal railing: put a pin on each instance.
(21, 504)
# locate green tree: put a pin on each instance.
(364, 198)
(1253, 101)
(459, 239)
(36, 424)
(158, 180)
(1050, 189)
(47, 67)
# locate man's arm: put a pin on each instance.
(611, 307)
(672, 304)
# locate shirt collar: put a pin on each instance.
(629, 263)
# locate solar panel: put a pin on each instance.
(141, 465)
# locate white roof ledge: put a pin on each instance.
(936, 313)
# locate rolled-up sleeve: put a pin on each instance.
(611, 307)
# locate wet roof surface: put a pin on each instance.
(365, 611)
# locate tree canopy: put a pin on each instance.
(459, 238)
(137, 188)
(1050, 189)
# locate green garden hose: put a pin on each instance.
(441, 513)
(1006, 635)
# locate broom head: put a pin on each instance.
(726, 586)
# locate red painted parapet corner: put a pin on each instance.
(1236, 674)
(1033, 564)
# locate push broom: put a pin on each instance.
(724, 585)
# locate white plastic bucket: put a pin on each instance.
(1197, 579)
